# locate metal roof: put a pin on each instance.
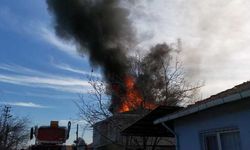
(145, 127)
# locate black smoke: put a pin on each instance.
(100, 28)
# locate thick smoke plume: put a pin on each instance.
(100, 28)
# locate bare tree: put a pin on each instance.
(94, 108)
(159, 79)
(95, 111)
(13, 130)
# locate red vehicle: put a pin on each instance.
(50, 137)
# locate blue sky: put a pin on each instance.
(41, 76)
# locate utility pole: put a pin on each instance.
(77, 142)
(6, 115)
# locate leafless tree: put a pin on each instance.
(94, 108)
(13, 130)
(160, 80)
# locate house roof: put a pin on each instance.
(145, 127)
(236, 93)
(119, 121)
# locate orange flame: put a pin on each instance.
(133, 99)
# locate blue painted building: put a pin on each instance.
(221, 122)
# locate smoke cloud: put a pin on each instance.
(100, 28)
(214, 33)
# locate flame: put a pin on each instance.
(133, 99)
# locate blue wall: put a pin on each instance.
(237, 114)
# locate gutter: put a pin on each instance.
(175, 135)
(200, 107)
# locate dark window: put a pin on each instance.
(211, 142)
(230, 141)
(221, 140)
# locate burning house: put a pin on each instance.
(102, 30)
(106, 134)
(134, 130)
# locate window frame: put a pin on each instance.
(217, 133)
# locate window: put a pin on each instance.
(221, 140)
